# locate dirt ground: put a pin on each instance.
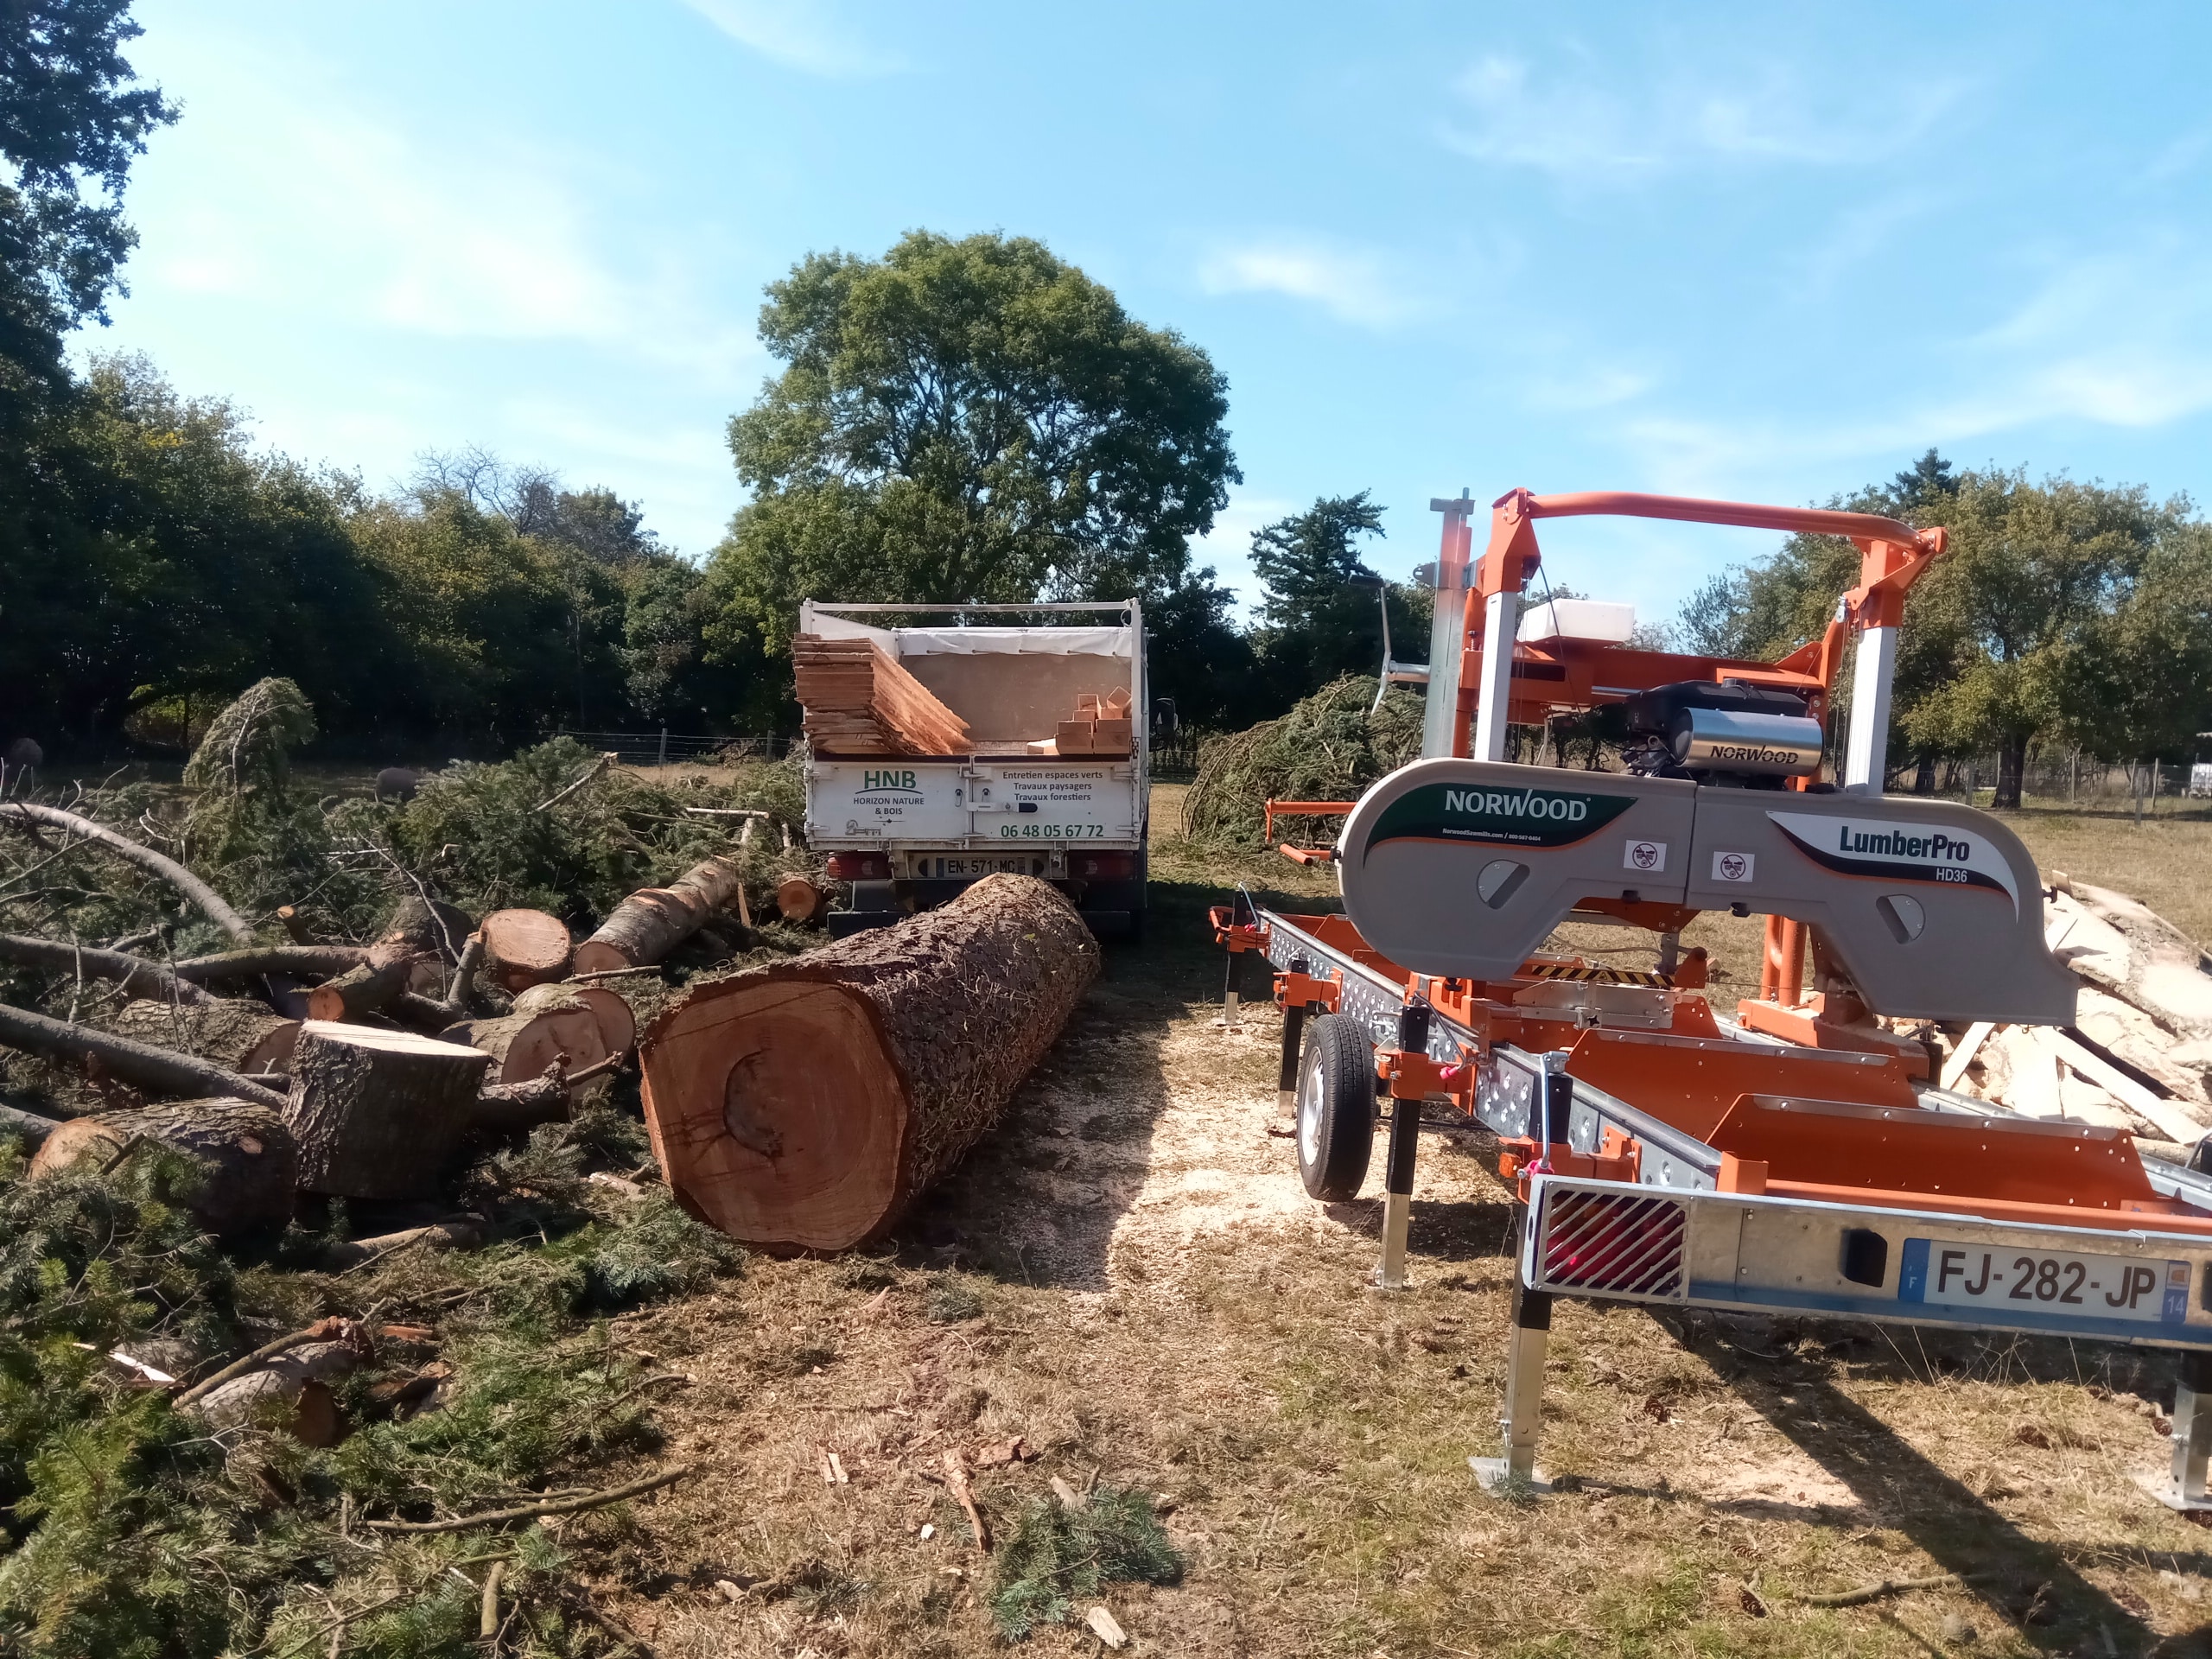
(1128, 1277)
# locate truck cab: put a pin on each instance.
(905, 832)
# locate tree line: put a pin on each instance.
(2065, 614)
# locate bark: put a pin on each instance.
(30, 1126)
(503, 1108)
(372, 985)
(647, 925)
(2012, 764)
(378, 1114)
(428, 924)
(217, 908)
(1923, 776)
(248, 1162)
(134, 975)
(237, 1035)
(805, 1104)
(525, 947)
(319, 959)
(140, 1064)
(618, 1024)
(524, 1044)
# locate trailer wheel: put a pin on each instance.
(1336, 1108)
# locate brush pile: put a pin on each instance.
(1328, 747)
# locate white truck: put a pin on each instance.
(910, 832)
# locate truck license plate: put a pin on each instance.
(960, 868)
(2010, 1280)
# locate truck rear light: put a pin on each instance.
(1102, 867)
(859, 866)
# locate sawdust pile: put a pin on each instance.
(1330, 747)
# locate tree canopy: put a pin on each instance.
(971, 420)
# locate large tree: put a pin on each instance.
(72, 120)
(971, 420)
(1320, 610)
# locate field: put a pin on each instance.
(1128, 1277)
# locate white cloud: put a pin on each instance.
(801, 34)
(1353, 284)
(1576, 127)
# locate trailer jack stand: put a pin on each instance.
(1525, 1398)
(1405, 1149)
(2183, 1487)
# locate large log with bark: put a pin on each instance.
(237, 1035)
(143, 1066)
(247, 1162)
(523, 1044)
(378, 1114)
(374, 984)
(134, 975)
(523, 948)
(857, 701)
(617, 1020)
(805, 1104)
(647, 925)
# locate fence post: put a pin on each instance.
(664, 746)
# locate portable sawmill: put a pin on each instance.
(1792, 1156)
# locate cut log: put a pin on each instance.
(523, 948)
(378, 1114)
(389, 971)
(273, 959)
(140, 1064)
(805, 1104)
(799, 898)
(135, 976)
(237, 1035)
(858, 701)
(217, 908)
(647, 925)
(249, 1164)
(618, 1024)
(30, 1126)
(524, 1044)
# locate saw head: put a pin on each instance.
(1453, 866)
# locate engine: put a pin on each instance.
(1729, 732)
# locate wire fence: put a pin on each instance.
(667, 748)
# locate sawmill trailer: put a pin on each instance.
(1791, 1155)
(909, 832)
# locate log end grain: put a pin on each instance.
(378, 1114)
(523, 948)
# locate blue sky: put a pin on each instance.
(1757, 252)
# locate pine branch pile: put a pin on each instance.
(1327, 748)
(1059, 1554)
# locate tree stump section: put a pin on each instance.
(648, 925)
(803, 1105)
(523, 948)
(618, 1023)
(377, 982)
(800, 899)
(378, 1114)
(524, 1043)
(237, 1035)
(248, 1162)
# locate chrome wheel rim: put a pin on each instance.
(1309, 1118)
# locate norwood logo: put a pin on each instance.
(899, 780)
(1513, 817)
(1901, 852)
(1749, 754)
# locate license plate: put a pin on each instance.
(2012, 1281)
(950, 869)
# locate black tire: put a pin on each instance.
(1335, 1105)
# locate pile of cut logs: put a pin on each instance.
(2139, 1054)
(858, 701)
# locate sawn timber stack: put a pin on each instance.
(805, 1104)
(858, 702)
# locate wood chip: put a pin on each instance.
(1104, 1627)
(1070, 1498)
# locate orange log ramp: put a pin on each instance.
(805, 1104)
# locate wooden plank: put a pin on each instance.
(1954, 1069)
(2172, 1122)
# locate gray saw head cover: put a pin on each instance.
(1936, 911)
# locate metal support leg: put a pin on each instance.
(1405, 1146)
(1293, 1033)
(2183, 1487)
(1524, 1396)
(1230, 983)
(1671, 952)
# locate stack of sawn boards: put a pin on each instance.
(858, 701)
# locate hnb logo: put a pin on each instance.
(888, 780)
(1523, 806)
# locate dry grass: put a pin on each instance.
(1160, 1308)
